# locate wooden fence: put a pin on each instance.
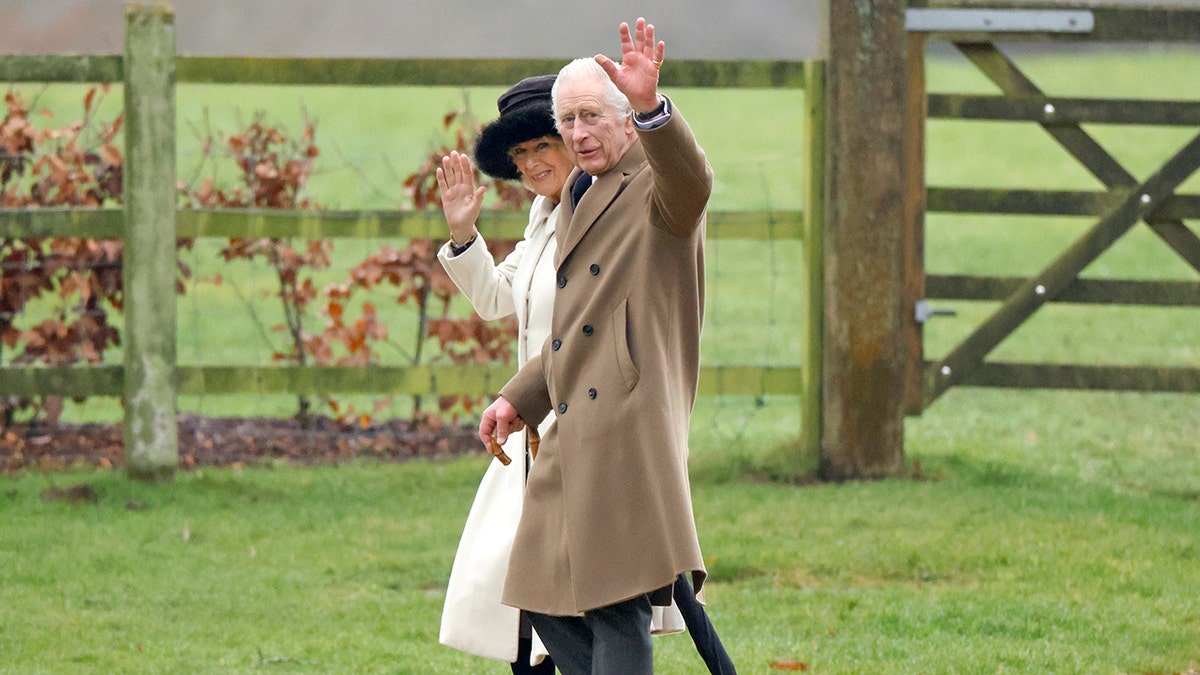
(149, 224)
(1124, 204)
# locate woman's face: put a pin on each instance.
(544, 165)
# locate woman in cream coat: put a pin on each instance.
(522, 143)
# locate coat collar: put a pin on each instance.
(604, 191)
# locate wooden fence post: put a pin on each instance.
(814, 264)
(914, 225)
(863, 370)
(151, 443)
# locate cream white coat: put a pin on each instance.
(473, 618)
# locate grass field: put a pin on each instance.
(1046, 533)
(1038, 532)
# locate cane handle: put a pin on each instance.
(499, 452)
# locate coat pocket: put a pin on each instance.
(620, 322)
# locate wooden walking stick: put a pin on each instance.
(534, 441)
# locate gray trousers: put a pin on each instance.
(611, 640)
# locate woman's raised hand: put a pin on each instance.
(461, 199)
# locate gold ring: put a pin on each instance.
(657, 64)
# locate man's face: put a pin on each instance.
(596, 135)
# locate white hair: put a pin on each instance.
(586, 68)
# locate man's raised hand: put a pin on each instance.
(637, 74)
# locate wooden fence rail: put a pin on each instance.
(150, 378)
(196, 223)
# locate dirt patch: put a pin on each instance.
(209, 441)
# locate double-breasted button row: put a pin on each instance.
(556, 344)
(562, 278)
(591, 393)
(588, 329)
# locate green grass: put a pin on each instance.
(1047, 532)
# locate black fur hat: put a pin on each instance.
(525, 114)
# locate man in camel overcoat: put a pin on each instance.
(607, 523)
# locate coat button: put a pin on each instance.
(587, 329)
(562, 281)
(555, 344)
(595, 269)
(592, 392)
(562, 408)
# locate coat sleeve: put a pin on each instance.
(681, 173)
(486, 284)
(528, 393)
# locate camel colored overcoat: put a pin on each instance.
(608, 510)
(473, 618)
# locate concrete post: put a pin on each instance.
(151, 442)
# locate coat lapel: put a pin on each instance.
(595, 202)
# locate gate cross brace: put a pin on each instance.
(1139, 204)
(1005, 74)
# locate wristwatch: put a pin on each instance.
(655, 118)
(457, 248)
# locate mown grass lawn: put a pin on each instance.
(1040, 533)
